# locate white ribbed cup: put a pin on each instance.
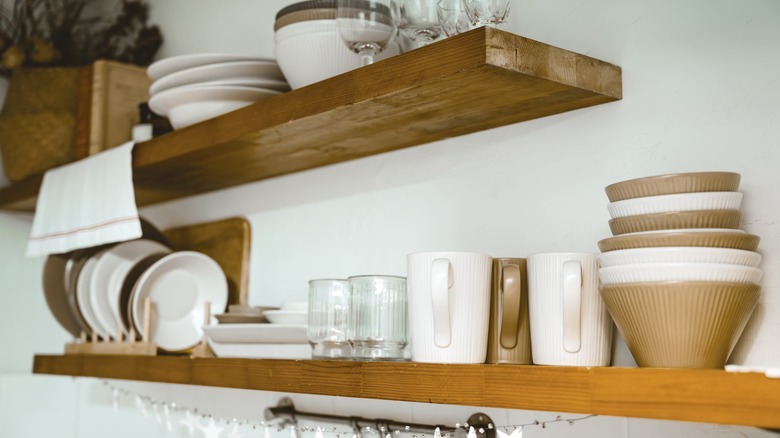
(587, 342)
(460, 334)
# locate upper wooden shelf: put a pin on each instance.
(478, 80)
(711, 396)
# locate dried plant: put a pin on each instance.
(75, 33)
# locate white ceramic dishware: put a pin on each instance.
(106, 281)
(570, 324)
(172, 64)
(297, 317)
(676, 202)
(680, 254)
(179, 285)
(257, 334)
(266, 72)
(83, 296)
(656, 272)
(300, 306)
(260, 351)
(449, 306)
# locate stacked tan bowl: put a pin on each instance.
(679, 277)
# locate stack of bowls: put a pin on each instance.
(309, 47)
(189, 89)
(679, 278)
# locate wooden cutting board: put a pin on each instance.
(227, 242)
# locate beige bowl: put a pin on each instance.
(681, 324)
(735, 239)
(673, 183)
(676, 220)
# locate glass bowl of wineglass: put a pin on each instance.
(367, 27)
(418, 20)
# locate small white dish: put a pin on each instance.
(655, 272)
(261, 351)
(167, 66)
(258, 334)
(265, 74)
(179, 285)
(191, 104)
(287, 316)
(680, 254)
(676, 202)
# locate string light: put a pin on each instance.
(210, 427)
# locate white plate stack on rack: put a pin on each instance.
(679, 277)
(189, 89)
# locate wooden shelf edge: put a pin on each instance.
(709, 396)
(478, 80)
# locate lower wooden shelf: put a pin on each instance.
(711, 396)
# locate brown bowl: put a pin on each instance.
(714, 239)
(676, 220)
(673, 183)
(681, 324)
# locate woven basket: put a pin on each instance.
(38, 121)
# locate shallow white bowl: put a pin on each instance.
(172, 64)
(676, 202)
(311, 51)
(190, 104)
(294, 317)
(680, 254)
(652, 272)
(297, 306)
(223, 71)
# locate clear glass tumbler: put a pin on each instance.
(378, 317)
(329, 319)
(491, 13)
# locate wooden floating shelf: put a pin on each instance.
(711, 396)
(471, 82)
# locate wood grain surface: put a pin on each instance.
(471, 82)
(711, 396)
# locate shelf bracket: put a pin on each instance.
(286, 414)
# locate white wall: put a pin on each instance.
(701, 83)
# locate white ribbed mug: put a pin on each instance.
(449, 306)
(570, 324)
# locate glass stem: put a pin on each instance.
(367, 56)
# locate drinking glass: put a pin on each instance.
(418, 20)
(329, 319)
(492, 13)
(366, 26)
(378, 317)
(452, 17)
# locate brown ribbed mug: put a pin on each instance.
(509, 333)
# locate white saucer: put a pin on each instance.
(173, 64)
(229, 73)
(257, 333)
(299, 317)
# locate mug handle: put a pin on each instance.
(441, 281)
(510, 305)
(572, 303)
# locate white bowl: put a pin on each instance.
(294, 317)
(311, 51)
(190, 104)
(680, 254)
(652, 272)
(166, 66)
(238, 71)
(676, 202)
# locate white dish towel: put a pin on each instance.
(86, 203)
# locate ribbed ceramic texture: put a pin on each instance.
(676, 220)
(681, 324)
(714, 239)
(311, 51)
(545, 300)
(521, 353)
(680, 254)
(673, 183)
(469, 302)
(676, 202)
(654, 272)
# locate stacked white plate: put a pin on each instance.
(679, 277)
(189, 89)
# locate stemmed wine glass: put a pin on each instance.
(418, 20)
(366, 26)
